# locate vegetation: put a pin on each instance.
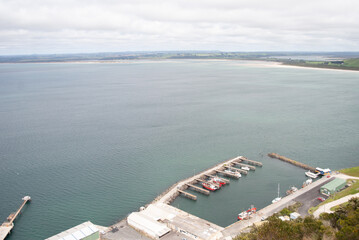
(346, 64)
(340, 225)
(353, 189)
(354, 171)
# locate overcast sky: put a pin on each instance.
(71, 26)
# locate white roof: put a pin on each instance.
(147, 224)
(76, 233)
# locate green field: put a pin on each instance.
(347, 64)
(354, 171)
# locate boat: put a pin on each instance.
(238, 174)
(246, 214)
(307, 182)
(245, 168)
(322, 171)
(292, 189)
(218, 181)
(311, 175)
(209, 186)
(277, 199)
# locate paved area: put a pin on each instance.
(122, 231)
(328, 206)
(236, 228)
(309, 198)
(4, 231)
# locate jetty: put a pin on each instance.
(8, 225)
(188, 195)
(198, 189)
(245, 165)
(291, 161)
(244, 159)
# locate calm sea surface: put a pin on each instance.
(97, 141)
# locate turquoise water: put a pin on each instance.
(97, 141)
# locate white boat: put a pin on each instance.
(277, 199)
(238, 174)
(311, 175)
(245, 168)
(292, 189)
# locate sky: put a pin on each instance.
(85, 26)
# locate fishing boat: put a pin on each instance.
(307, 182)
(238, 174)
(277, 199)
(246, 214)
(245, 168)
(292, 189)
(218, 181)
(311, 175)
(209, 186)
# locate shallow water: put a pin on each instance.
(97, 141)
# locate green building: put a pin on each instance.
(84, 231)
(333, 186)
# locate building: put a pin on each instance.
(84, 231)
(333, 186)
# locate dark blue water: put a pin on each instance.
(97, 141)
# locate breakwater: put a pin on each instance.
(291, 161)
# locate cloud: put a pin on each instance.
(54, 26)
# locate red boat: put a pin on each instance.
(209, 186)
(245, 215)
(218, 181)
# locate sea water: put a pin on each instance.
(96, 141)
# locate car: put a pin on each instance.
(321, 199)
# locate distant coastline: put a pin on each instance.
(324, 60)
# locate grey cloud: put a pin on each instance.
(42, 26)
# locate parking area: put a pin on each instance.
(310, 198)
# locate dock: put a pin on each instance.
(291, 161)
(244, 159)
(245, 165)
(8, 225)
(188, 195)
(198, 189)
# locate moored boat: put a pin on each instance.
(245, 168)
(209, 186)
(277, 199)
(292, 189)
(311, 175)
(246, 214)
(218, 181)
(238, 174)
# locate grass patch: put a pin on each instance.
(354, 171)
(338, 206)
(353, 189)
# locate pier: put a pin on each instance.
(291, 161)
(188, 195)
(244, 159)
(7, 226)
(198, 189)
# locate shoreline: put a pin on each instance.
(254, 62)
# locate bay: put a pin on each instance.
(96, 141)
